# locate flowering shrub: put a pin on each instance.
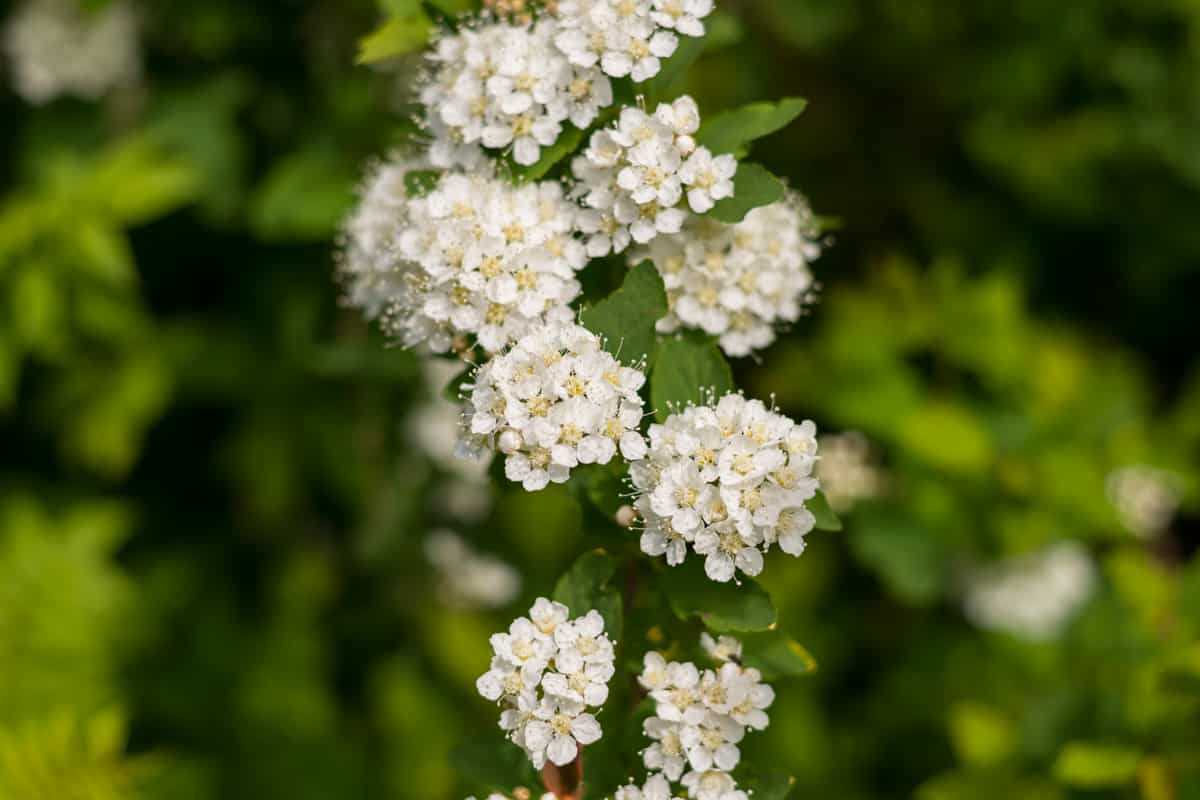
(531, 174)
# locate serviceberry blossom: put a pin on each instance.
(554, 400)
(712, 784)
(626, 37)
(467, 578)
(1032, 596)
(506, 86)
(58, 48)
(633, 176)
(474, 257)
(728, 480)
(737, 282)
(546, 672)
(499, 796)
(700, 717)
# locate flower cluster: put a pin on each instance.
(552, 401)
(627, 37)
(546, 672)
(370, 267)
(847, 470)
(503, 85)
(468, 579)
(730, 480)
(632, 176)
(482, 258)
(1145, 498)
(738, 282)
(1033, 596)
(701, 716)
(58, 49)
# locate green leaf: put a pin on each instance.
(665, 85)
(420, 182)
(827, 520)
(776, 655)
(494, 763)
(753, 186)
(730, 131)
(686, 369)
(722, 607)
(563, 146)
(625, 319)
(398, 36)
(770, 783)
(585, 586)
(303, 197)
(1092, 766)
(982, 736)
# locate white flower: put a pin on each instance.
(468, 579)
(847, 470)
(559, 727)
(729, 480)
(554, 400)
(722, 648)
(506, 86)
(474, 257)
(1146, 498)
(712, 785)
(656, 787)
(708, 179)
(546, 672)
(1033, 596)
(737, 282)
(626, 37)
(633, 175)
(667, 754)
(683, 15)
(57, 48)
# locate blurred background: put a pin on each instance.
(236, 560)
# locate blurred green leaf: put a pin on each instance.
(304, 196)
(981, 735)
(776, 655)
(398, 36)
(769, 783)
(826, 519)
(1092, 766)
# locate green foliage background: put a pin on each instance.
(211, 513)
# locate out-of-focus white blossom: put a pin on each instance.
(552, 401)
(712, 784)
(738, 282)
(546, 672)
(626, 37)
(847, 470)
(633, 176)
(722, 648)
(1033, 596)
(467, 578)
(475, 257)
(57, 48)
(729, 481)
(506, 86)
(1146, 498)
(699, 718)
(370, 266)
